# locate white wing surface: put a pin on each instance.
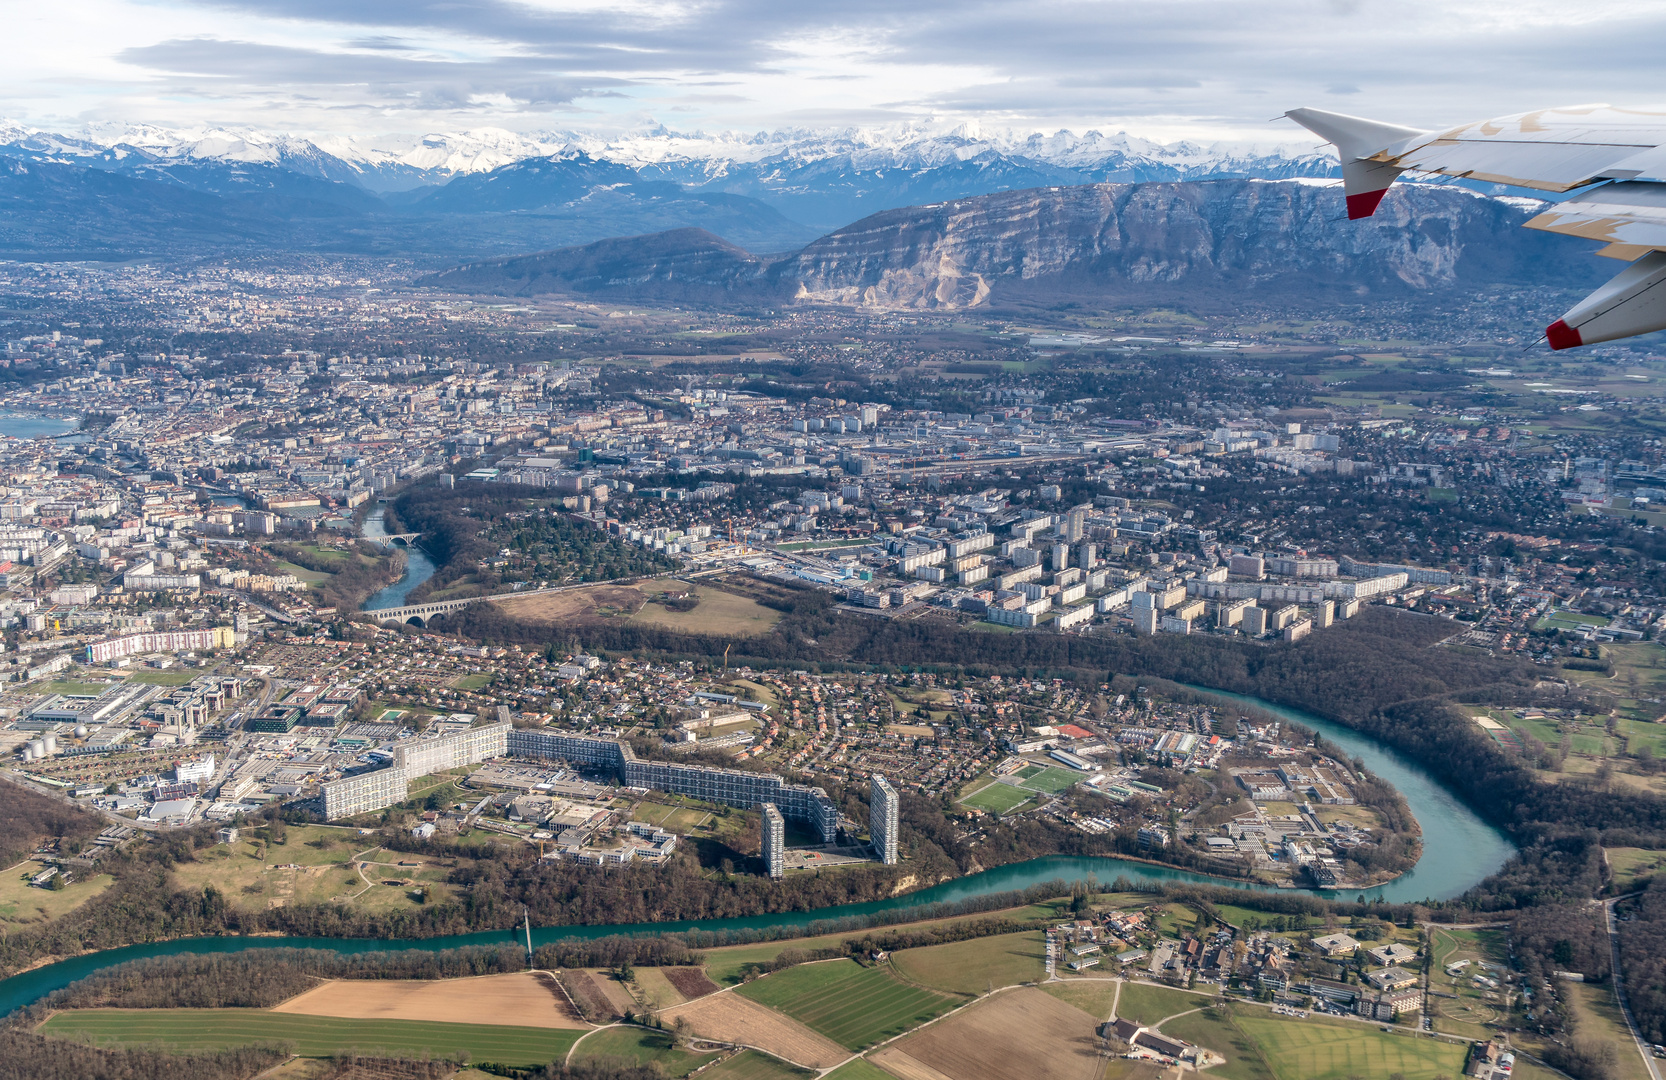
(1619, 154)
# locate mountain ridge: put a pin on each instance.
(821, 178)
(1111, 243)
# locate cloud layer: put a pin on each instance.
(1163, 68)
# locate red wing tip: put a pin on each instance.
(1364, 204)
(1562, 336)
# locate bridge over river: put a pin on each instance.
(392, 540)
(419, 614)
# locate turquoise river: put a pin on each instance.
(1459, 850)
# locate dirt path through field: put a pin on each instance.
(523, 999)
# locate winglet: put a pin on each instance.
(1562, 336)
(1364, 204)
(1632, 302)
(1357, 141)
(1354, 137)
(1364, 183)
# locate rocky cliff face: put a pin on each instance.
(1157, 240)
(1227, 240)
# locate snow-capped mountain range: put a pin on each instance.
(120, 189)
(434, 158)
(795, 165)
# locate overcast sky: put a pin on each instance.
(1160, 68)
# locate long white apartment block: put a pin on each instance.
(384, 787)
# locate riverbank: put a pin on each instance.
(1459, 851)
(418, 566)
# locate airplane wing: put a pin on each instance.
(1618, 154)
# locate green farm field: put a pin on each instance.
(726, 965)
(850, 1004)
(1094, 996)
(976, 966)
(640, 1045)
(1215, 1029)
(310, 1036)
(1315, 1050)
(1145, 1004)
(753, 1065)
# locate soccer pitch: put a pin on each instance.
(997, 798)
(1052, 780)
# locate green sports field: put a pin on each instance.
(1317, 1051)
(850, 1004)
(1053, 780)
(997, 798)
(311, 1036)
(1570, 620)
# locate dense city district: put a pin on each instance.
(341, 607)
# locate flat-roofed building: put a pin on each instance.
(363, 793)
(774, 841)
(452, 751)
(883, 807)
(733, 787)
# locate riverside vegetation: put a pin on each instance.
(1380, 673)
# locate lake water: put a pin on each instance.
(418, 568)
(19, 425)
(1459, 850)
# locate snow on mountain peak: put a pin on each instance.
(410, 159)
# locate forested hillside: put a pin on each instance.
(28, 817)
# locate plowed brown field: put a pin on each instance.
(1016, 1033)
(732, 1018)
(903, 1067)
(523, 999)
